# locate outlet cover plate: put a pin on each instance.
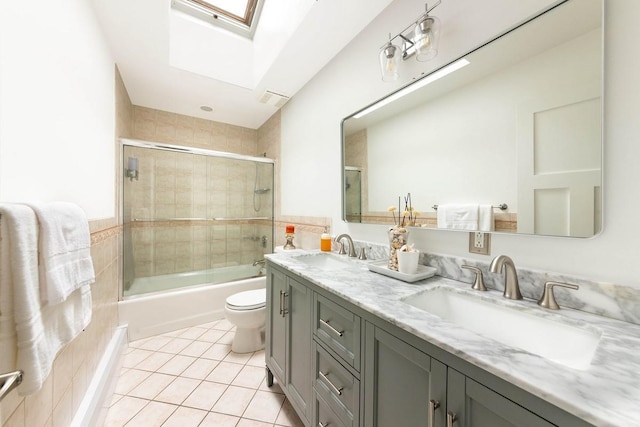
(480, 243)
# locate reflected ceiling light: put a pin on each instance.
(414, 86)
(419, 38)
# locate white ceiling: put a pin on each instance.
(172, 62)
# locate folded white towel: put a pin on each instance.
(485, 218)
(458, 217)
(40, 331)
(65, 250)
(8, 346)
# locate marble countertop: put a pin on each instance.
(607, 393)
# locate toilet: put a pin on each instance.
(247, 311)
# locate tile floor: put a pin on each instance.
(191, 378)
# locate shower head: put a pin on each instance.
(262, 190)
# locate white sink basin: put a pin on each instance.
(325, 261)
(563, 343)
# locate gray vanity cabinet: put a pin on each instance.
(399, 383)
(288, 338)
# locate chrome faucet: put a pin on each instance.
(352, 249)
(511, 285)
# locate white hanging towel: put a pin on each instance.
(485, 218)
(39, 332)
(458, 217)
(65, 250)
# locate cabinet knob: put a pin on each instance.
(433, 405)
(451, 418)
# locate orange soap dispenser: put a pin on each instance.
(325, 241)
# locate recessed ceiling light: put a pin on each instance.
(206, 108)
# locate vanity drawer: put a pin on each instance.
(339, 329)
(337, 386)
(325, 417)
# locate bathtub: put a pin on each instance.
(182, 300)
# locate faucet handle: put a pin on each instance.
(341, 251)
(363, 254)
(478, 283)
(548, 300)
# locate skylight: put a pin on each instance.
(238, 16)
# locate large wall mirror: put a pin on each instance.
(518, 123)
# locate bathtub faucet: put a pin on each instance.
(259, 262)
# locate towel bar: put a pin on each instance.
(9, 381)
(501, 206)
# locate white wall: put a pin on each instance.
(57, 108)
(311, 138)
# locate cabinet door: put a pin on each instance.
(474, 405)
(298, 308)
(400, 382)
(275, 340)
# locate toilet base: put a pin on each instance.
(248, 340)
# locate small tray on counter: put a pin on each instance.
(424, 271)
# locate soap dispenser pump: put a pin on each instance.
(325, 241)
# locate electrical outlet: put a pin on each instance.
(479, 243)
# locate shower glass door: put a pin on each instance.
(193, 218)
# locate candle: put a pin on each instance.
(290, 229)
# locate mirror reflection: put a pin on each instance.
(518, 125)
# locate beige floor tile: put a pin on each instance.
(275, 388)
(136, 344)
(205, 395)
(178, 390)
(288, 417)
(244, 422)
(217, 352)
(185, 417)
(154, 414)
(152, 386)
(196, 348)
(234, 401)
(193, 333)
(264, 407)
(223, 325)
(176, 345)
(176, 365)
(135, 357)
(175, 333)
(155, 343)
(125, 409)
(130, 379)
(250, 377)
(154, 362)
(200, 369)
(225, 372)
(227, 338)
(212, 335)
(209, 325)
(214, 419)
(258, 359)
(238, 357)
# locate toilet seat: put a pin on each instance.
(248, 300)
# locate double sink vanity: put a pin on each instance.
(350, 347)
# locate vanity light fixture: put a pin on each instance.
(131, 171)
(454, 66)
(419, 38)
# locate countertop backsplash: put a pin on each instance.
(604, 299)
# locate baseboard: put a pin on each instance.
(93, 409)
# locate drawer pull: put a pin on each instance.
(451, 418)
(283, 310)
(433, 405)
(321, 424)
(331, 328)
(337, 390)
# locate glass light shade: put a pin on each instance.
(426, 36)
(389, 62)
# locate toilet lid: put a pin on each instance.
(248, 300)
